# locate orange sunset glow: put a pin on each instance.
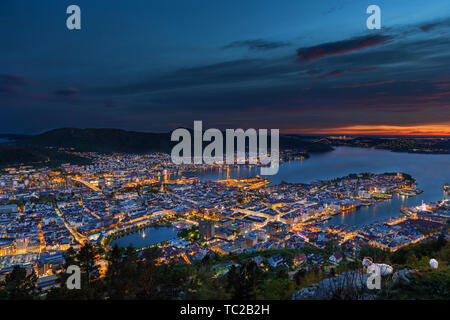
(419, 130)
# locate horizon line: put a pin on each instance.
(437, 130)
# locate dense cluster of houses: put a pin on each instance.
(47, 211)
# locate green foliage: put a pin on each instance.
(142, 275)
(190, 234)
(37, 156)
(18, 285)
(376, 254)
(277, 289)
(91, 288)
(243, 282)
(412, 254)
(203, 287)
(305, 278)
(330, 247)
(101, 140)
(426, 285)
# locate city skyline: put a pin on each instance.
(153, 66)
(222, 157)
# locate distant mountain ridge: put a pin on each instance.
(36, 147)
(12, 136)
(100, 140)
(118, 140)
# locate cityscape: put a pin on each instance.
(258, 152)
(146, 201)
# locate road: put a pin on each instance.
(78, 236)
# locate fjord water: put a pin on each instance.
(431, 172)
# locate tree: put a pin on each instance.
(441, 242)
(243, 282)
(331, 247)
(149, 276)
(375, 253)
(277, 289)
(86, 258)
(412, 260)
(206, 261)
(172, 279)
(299, 275)
(203, 287)
(122, 277)
(19, 285)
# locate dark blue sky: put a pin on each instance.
(301, 66)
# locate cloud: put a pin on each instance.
(13, 80)
(9, 89)
(257, 45)
(420, 129)
(340, 72)
(365, 84)
(340, 5)
(69, 92)
(426, 27)
(313, 72)
(272, 90)
(324, 50)
(110, 104)
(222, 75)
(11, 83)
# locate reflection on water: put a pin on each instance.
(227, 172)
(430, 171)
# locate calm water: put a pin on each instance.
(147, 237)
(430, 171)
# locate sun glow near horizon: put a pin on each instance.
(419, 130)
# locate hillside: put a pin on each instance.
(35, 149)
(11, 155)
(116, 140)
(431, 145)
(413, 278)
(100, 140)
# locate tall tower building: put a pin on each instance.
(206, 229)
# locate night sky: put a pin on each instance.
(300, 66)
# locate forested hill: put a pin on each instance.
(100, 140)
(35, 148)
